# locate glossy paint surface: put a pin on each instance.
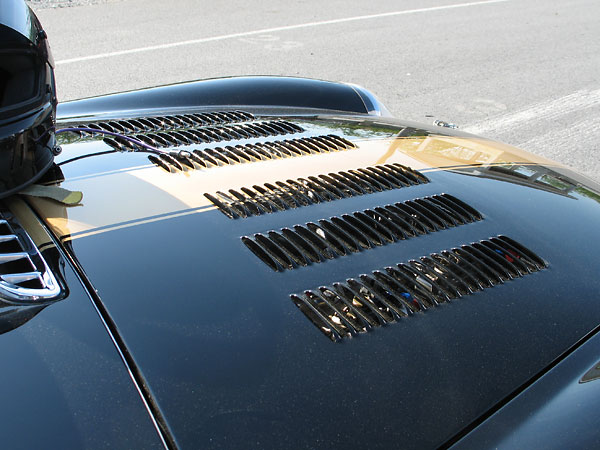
(15, 15)
(18, 16)
(559, 411)
(62, 383)
(231, 361)
(241, 91)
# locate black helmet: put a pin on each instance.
(27, 98)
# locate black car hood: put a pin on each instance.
(234, 362)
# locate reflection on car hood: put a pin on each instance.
(212, 273)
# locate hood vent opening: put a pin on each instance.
(249, 153)
(355, 306)
(291, 248)
(24, 275)
(195, 136)
(171, 122)
(279, 196)
(188, 129)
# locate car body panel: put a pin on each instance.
(558, 411)
(174, 193)
(64, 384)
(232, 363)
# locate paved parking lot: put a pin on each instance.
(522, 71)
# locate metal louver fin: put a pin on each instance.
(172, 131)
(169, 122)
(230, 154)
(387, 295)
(291, 248)
(334, 186)
(173, 135)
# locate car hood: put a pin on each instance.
(248, 282)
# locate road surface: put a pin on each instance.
(525, 72)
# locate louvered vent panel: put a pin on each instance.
(249, 153)
(24, 275)
(171, 122)
(188, 129)
(279, 196)
(301, 245)
(361, 304)
(207, 134)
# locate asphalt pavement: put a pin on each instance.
(525, 72)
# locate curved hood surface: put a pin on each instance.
(224, 320)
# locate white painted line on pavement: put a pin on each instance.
(554, 142)
(273, 30)
(544, 111)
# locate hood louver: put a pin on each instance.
(171, 122)
(279, 196)
(203, 135)
(249, 153)
(24, 275)
(189, 129)
(359, 305)
(302, 245)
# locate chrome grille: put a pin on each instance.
(301, 245)
(24, 275)
(279, 196)
(361, 304)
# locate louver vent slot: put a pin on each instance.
(24, 275)
(171, 122)
(279, 196)
(249, 153)
(290, 248)
(361, 304)
(203, 135)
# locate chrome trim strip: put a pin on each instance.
(21, 277)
